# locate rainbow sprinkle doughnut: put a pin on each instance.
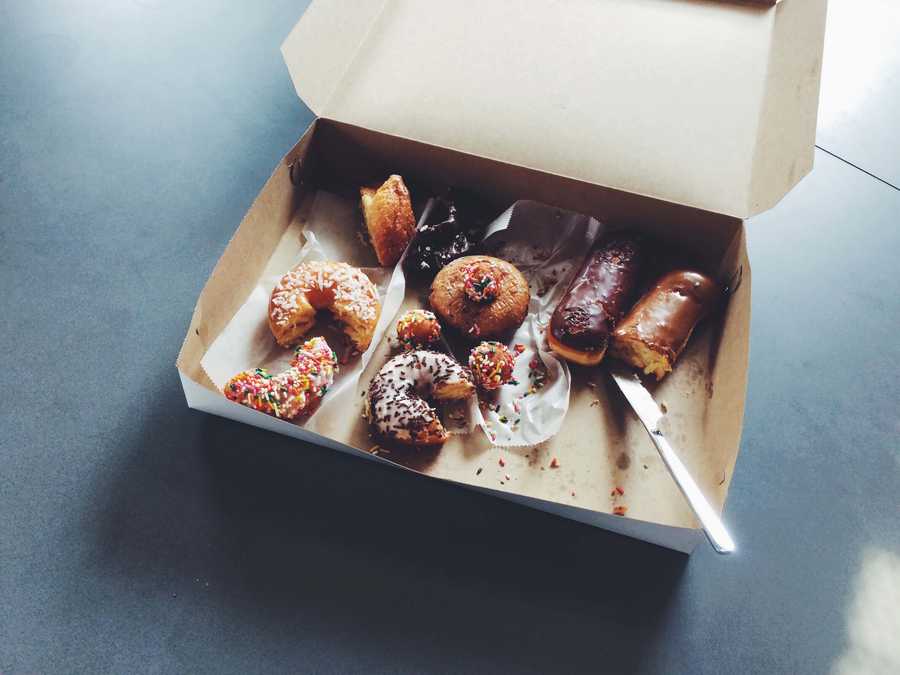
(418, 328)
(295, 392)
(492, 364)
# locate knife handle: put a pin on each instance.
(712, 525)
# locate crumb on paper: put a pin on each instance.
(620, 510)
(595, 402)
(506, 477)
(502, 462)
(663, 407)
(478, 473)
(554, 463)
(619, 490)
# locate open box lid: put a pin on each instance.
(705, 103)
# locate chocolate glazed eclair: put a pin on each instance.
(595, 301)
(654, 333)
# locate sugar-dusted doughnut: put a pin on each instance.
(295, 392)
(418, 328)
(344, 291)
(596, 299)
(480, 296)
(656, 330)
(387, 212)
(396, 404)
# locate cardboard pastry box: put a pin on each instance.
(678, 118)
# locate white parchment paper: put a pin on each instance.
(548, 246)
(330, 232)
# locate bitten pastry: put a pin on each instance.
(492, 364)
(595, 301)
(418, 328)
(480, 296)
(654, 333)
(396, 405)
(387, 212)
(293, 393)
(344, 291)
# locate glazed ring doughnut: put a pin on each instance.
(295, 392)
(396, 405)
(345, 291)
(480, 296)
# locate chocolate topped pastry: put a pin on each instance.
(595, 301)
(450, 231)
(656, 330)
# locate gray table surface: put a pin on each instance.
(139, 536)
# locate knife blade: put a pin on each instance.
(650, 415)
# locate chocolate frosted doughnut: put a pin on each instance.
(454, 227)
(656, 330)
(595, 301)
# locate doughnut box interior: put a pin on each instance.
(675, 118)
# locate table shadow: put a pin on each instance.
(295, 536)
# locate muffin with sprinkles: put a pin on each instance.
(418, 328)
(492, 365)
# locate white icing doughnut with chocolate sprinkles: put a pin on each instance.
(396, 404)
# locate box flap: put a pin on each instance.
(708, 104)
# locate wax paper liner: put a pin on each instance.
(548, 245)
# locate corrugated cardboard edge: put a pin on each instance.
(725, 413)
(795, 66)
